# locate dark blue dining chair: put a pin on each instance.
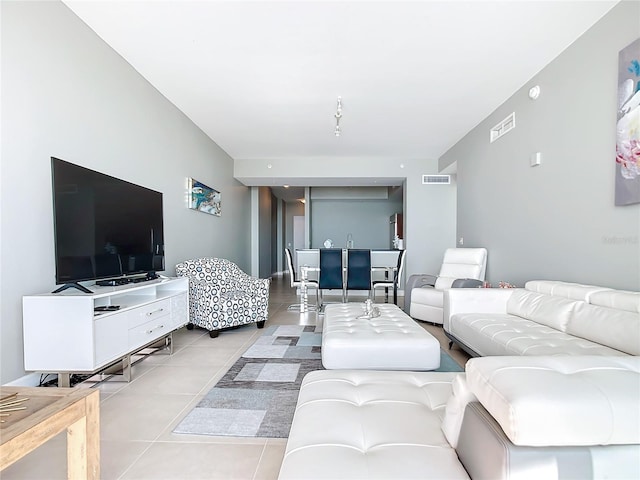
(330, 277)
(359, 270)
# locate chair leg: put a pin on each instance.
(260, 324)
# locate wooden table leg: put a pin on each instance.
(83, 442)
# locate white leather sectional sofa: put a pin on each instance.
(544, 318)
(509, 418)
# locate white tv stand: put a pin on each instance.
(64, 334)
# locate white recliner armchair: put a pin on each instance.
(461, 267)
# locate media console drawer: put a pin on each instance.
(150, 331)
(154, 310)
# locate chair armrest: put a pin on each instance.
(204, 297)
(253, 284)
(467, 283)
(419, 280)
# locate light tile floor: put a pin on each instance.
(137, 418)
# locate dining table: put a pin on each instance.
(383, 266)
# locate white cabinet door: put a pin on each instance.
(111, 338)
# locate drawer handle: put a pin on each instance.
(154, 328)
(155, 311)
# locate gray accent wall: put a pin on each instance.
(556, 220)
(65, 93)
(366, 220)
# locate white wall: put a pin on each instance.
(556, 220)
(265, 226)
(291, 209)
(67, 94)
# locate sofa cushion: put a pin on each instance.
(615, 328)
(352, 424)
(500, 334)
(594, 402)
(544, 309)
(573, 291)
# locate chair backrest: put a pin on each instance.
(400, 266)
(292, 273)
(358, 269)
(464, 263)
(219, 271)
(330, 268)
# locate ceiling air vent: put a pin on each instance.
(503, 127)
(437, 179)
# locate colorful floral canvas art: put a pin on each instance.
(628, 126)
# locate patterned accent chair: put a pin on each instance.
(223, 296)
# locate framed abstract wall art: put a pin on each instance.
(203, 198)
(627, 186)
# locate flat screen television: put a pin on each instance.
(104, 227)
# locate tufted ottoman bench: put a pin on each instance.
(356, 424)
(392, 341)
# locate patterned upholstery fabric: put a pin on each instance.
(221, 295)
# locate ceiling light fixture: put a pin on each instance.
(338, 116)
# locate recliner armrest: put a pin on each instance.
(418, 280)
(467, 283)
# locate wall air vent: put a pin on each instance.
(503, 127)
(437, 179)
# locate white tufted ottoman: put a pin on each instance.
(392, 341)
(363, 425)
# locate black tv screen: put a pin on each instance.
(104, 227)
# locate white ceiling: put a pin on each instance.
(262, 78)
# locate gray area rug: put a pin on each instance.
(258, 395)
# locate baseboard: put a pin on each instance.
(29, 380)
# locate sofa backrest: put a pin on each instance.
(548, 310)
(573, 291)
(612, 318)
(619, 299)
(598, 314)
